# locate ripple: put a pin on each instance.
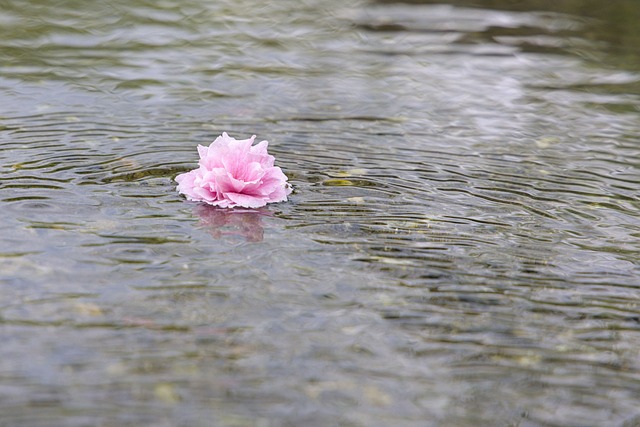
(464, 220)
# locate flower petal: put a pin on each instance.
(246, 200)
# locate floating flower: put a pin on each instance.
(235, 173)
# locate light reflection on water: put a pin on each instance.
(461, 247)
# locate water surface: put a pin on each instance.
(462, 247)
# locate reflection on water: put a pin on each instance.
(232, 222)
(463, 246)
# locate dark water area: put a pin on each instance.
(462, 247)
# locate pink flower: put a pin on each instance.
(235, 173)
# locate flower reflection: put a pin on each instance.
(232, 222)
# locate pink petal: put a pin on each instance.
(246, 201)
(202, 151)
(186, 183)
(279, 194)
(260, 148)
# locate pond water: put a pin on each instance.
(462, 247)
